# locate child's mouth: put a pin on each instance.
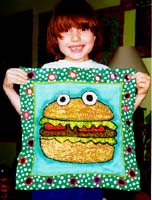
(76, 49)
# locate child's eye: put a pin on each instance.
(66, 31)
(84, 29)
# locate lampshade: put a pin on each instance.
(127, 57)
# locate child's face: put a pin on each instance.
(76, 44)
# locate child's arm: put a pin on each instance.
(14, 76)
(143, 85)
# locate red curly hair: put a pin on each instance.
(67, 14)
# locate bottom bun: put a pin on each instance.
(76, 152)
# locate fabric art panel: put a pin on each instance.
(77, 129)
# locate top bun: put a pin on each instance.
(78, 111)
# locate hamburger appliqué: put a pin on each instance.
(78, 130)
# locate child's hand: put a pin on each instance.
(14, 76)
(143, 85)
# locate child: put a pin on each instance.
(74, 38)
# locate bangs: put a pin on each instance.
(64, 23)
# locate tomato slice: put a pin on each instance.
(50, 127)
(92, 129)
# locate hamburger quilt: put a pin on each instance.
(77, 129)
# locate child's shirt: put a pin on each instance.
(66, 63)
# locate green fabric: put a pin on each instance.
(37, 172)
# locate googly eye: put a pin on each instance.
(89, 98)
(63, 99)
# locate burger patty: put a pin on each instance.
(107, 133)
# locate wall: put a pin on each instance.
(147, 102)
(7, 153)
(129, 40)
(13, 6)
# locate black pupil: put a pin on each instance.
(89, 97)
(62, 99)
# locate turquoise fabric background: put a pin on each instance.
(109, 94)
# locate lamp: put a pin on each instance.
(127, 56)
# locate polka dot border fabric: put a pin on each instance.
(27, 180)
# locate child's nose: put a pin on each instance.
(75, 35)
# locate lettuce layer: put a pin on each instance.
(80, 124)
(110, 141)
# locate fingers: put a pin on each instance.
(17, 72)
(140, 75)
(142, 82)
(16, 76)
(142, 78)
